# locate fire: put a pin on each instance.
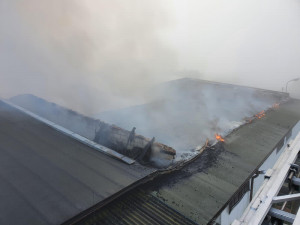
(260, 114)
(219, 137)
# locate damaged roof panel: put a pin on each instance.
(200, 190)
(185, 112)
(202, 193)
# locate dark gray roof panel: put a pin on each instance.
(202, 194)
(47, 177)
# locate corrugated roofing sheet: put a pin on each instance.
(202, 188)
(200, 195)
(137, 208)
(47, 177)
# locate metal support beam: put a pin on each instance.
(285, 198)
(282, 215)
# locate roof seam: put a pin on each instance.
(74, 135)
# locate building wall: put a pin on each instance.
(227, 218)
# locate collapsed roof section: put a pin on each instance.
(120, 140)
(216, 179)
(125, 142)
(185, 112)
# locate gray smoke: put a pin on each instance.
(97, 55)
(252, 42)
(86, 55)
(186, 112)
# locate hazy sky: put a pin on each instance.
(95, 55)
(253, 42)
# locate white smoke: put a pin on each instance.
(92, 56)
(252, 42)
(87, 55)
(186, 112)
(96, 55)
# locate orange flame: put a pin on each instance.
(219, 137)
(260, 114)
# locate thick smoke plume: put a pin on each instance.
(186, 112)
(252, 42)
(87, 55)
(98, 55)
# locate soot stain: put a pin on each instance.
(208, 158)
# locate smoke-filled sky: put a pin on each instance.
(95, 55)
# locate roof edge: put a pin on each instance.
(73, 135)
(249, 177)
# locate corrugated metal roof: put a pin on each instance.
(117, 139)
(74, 135)
(201, 194)
(47, 177)
(136, 208)
(201, 189)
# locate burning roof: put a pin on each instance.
(196, 192)
(185, 112)
(203, 188)
(203, 109)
